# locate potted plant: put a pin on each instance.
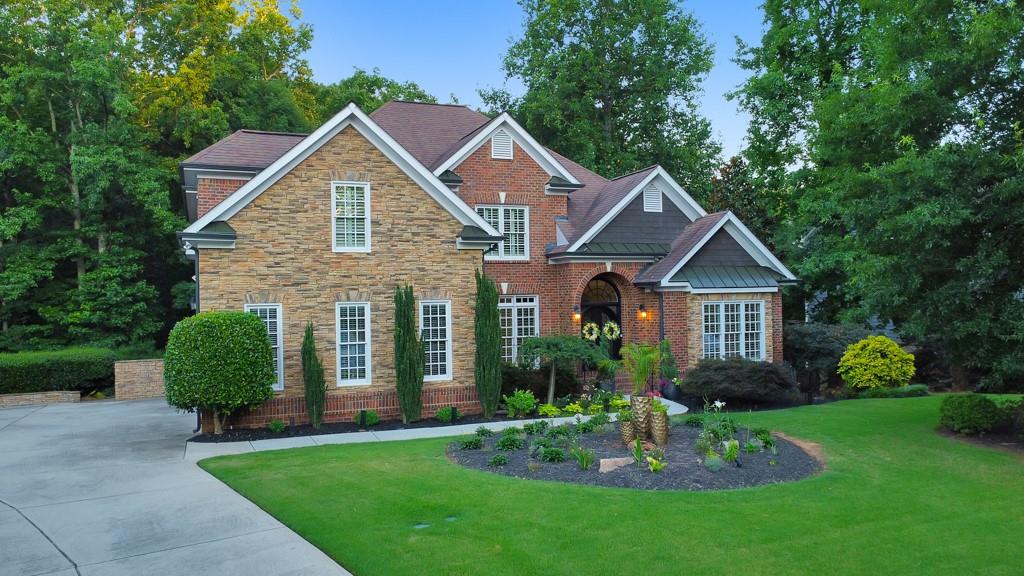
(668, 373)
(642, 362)
(659, 423)
(625, 418)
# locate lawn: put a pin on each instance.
(897, 498)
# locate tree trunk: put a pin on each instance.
(218, 421)
(961, 381)
(551, 384)
(76, 214)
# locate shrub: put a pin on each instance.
(67, 369)
(498, 460)
(740, 379)
(474, 443)
(573, 408)
(969, 413)
(876, 362)
(488, 345)
(512, 431)
(765, 436)
(584, 457)
(514, 377)
(408, 356)
(600, 419)
(276, 426)
(751, 447)
(520, 403)
(372, 418)
(537, 427)
(585, 427)
(552, 455)
(549, 411)
(694, 421)
(732, 451)
(448, 414)
(814, 350)
(642, 362)
(484, 432)
(509, 442)
(218, 362)
(314, 386)
(713, 462)
(560, 431)
(910, 391)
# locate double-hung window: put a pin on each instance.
(514, 223)
(518, 317)
(272, 318)
(353, 327)
(350, 220)
(732, 329)
(436, 331)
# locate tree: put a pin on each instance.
(408, 356)
(733, 188)
(314, 386)
(558, 349)
(487, 330)
(614, 85)
(369, 90)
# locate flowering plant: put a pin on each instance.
(611, 331)
(591, 332)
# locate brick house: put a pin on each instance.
(322, 227)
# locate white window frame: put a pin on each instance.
(335, 184)
(514, 306)
(366, 380)
(720, 313)
(499, 254)
(496, 152)
(448, 375)
(252, 308)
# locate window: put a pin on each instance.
(435, 328)
(652, 199)
(501, 145)
(272, 318)
(350, 226)
(518, 317)
(353, 343)
(733, 329)
(514, 223)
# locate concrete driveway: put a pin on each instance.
(103, 488)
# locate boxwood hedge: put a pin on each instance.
(67, 369)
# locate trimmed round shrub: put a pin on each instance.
(218, 362)
(50, 370)
(876, 362)
(969, 413)
(741, 379)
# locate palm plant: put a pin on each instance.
(642, 361)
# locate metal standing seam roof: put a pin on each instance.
(625, 248)
(700, 277)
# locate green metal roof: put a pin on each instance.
(471, 233)
(701, 277)
(625, 248)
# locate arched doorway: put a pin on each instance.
(601, 303)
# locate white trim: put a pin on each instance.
(763, 352)
(334, 216)
(514, 306)
(686, 204)
(279, 385)
(520, 136)
(499, 255)
(448, 341)
(337, 346)
(351, 115)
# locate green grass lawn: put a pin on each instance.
(897, 498)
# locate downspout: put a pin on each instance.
(199, 413)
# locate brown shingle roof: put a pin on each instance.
(246, 149)
(429, 132)
(691, 235)
(588, 204)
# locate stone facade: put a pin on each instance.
(27, 399)
(283, 255)
(138, 379)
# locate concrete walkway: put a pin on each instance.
(196, 451)
(104, 488)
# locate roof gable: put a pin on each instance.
(428, 131)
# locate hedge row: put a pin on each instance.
(67, 369)
(909, 391)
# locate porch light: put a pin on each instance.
(641, 312)
(576, 314)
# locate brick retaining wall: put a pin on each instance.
(53, 397)
(137, 379)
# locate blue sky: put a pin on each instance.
(456, 47)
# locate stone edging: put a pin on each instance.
(29, 398)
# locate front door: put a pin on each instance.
(601, 304)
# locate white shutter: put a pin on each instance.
(652, 199)
(501, 145)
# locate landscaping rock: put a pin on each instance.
(609, 464)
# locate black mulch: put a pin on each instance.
(248, 434)
(999, 440)
(684, 471)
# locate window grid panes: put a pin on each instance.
(732, 329)
(518, 318)
(351, 216)
(353, 343)
(437, 342)
(513, 223)
(271, 317)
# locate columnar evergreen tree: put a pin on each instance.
(314, 386)
(488, 344)
(409, 359)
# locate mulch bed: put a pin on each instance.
(1000, 441)
(249, 434)
(684, 470)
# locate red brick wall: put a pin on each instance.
(211, 191)
(777, 328)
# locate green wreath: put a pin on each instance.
(591, 331)
(611, 331)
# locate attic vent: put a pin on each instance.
(501, 145)
(652, 199)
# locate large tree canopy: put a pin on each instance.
(613, 84)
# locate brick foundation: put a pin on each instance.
(138, 379)
(53, 397)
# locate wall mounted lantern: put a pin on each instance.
(576, 316)
(641, 312)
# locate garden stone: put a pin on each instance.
(609, 464)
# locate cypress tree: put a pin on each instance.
(408, 356)
(488, 345)
(313, 379)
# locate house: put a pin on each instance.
(322, 227)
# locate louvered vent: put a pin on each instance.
(501, 145)
(652, 199)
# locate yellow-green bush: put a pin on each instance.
(876, 362)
